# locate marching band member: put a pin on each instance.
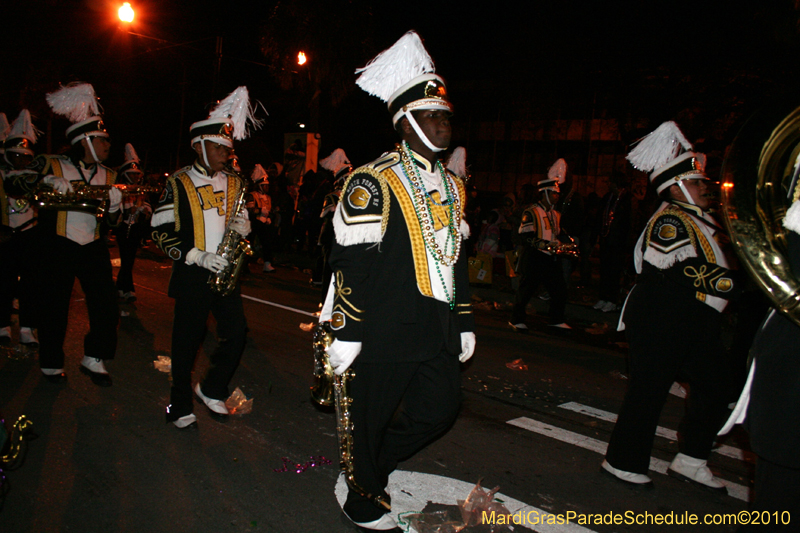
(19, 217)
(672, 317)
(260, 207)
(541, 228)
(400, 302)
(339, 166)
(73, 240)
(135, 224)
(188, 225)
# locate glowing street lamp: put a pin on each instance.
(301, 58)
(125, 12)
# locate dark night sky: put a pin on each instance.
(552, 53)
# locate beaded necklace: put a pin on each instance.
(423, 207)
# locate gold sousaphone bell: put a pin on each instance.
(757, 175)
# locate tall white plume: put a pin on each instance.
(403, 61)
(558, 171)
(23, 127)
(236, 106)
(335, 162)
(457, 163)
(130, 153)
(258, 174)
(76, 101)
(659, 147)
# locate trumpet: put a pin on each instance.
(87, 198)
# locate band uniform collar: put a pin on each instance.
(693, 209)
(200, 169)
(422, 162)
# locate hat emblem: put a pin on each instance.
(435, 89)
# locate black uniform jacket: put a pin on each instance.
(379, 275)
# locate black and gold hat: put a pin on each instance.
(555, 177)
(403, 77)
(92, 127)
(22, 135)
(668, 156)
(227, 121)
(218, 130)
(78, 102)
(687, 166)
(427, 91)
(131, 169)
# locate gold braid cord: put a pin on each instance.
(17, 436)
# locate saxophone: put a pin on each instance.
(234, 248)
(328, 389)
(87, 198)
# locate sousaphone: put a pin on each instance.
(759, 180)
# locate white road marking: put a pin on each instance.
(411, 492)
(265, 302)
(727, 451)
(657, 465)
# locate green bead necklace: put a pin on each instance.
(423, 207)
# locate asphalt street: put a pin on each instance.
(537, 412)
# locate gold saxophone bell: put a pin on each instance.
(87, 198)
(322, 390)
(330, 388)
(234, 248)
(757, 174)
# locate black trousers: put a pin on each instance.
(266, 237)
(428, 396)
(56, 273)
(613, 255)
(129, 237)
(188, 330)
(17, 258)
(539, 268)
(671, 336)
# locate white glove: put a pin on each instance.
(241, 225)
(59, 184)
(467, 346)
(114, 199)
(341, 354)
(207, 260)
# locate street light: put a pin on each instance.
(301, 58)
(125, 12)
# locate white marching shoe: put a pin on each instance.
(187, 421)
(384, 523)
(215, 406)
(628, 477)
(695, 471)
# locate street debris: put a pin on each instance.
(238, 404)
(517, 364)
(163, 363)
